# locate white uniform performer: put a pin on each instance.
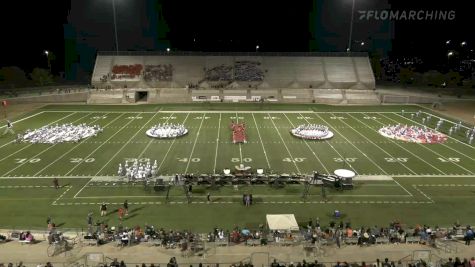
(9, 128)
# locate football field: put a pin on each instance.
(391, 174)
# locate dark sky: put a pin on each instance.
(34, 26)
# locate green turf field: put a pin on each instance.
(424, 183)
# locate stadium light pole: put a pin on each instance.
(449, 54)
(115, 28)
(48, 59)
(351, 26)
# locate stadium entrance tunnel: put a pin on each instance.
(141, 96)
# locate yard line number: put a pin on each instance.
(344, 159)
(239, 160)
(139, 159)
(393, 160)
(294, 159)
(79, 160)
(25, 160)
(191, 160)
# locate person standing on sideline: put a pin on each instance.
(103, 209)
(126, 208)
(208, 197)
(89, 220)
(121, 214)
(9, 128)
(56, 183)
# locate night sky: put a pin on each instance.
(323, 25)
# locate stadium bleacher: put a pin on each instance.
(307, 78)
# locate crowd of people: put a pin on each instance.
(239, 132)
(159, 72)
(167, 130)
(59, 133)
(138, 170)
(311, 131)
(413, 134)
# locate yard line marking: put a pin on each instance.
(420, 191)
(471, 158)
(22, 119)
(43, 151)
(364, 154)
(454, 124)
(60, 196)
(260, 138)
(194, 144)
(329, 143)
(427, 148)
(288, 151)
(409, 169)
(396, 142)
(152, 139)
(240, 150)
(62, 118)
(126, 143)
(169, 148)
(31, 116)
(306, 143)
(82, 141)
(97, 148)
(118, 151)
(217, 144)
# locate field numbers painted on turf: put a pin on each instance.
(134, 118)
(243, 159)
(370, 118)
(133, 160)
(168, 118)
(294, 159)
(271, 118)
(79, 160)
(191, 160)
(304, 118)
(236, 118)
(99, 117)
(202, 118)
(22, 161)
(345, 159)
(449, 159)
(392, 160)
(337, 118)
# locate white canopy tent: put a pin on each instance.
(282, 222)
